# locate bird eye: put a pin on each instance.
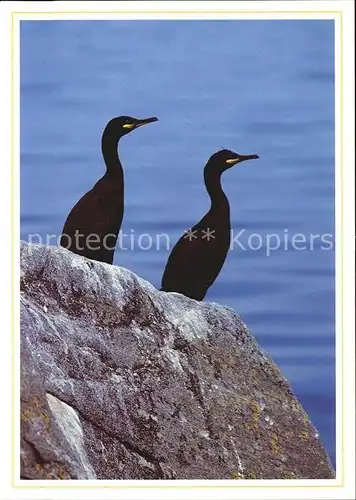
(128, 124)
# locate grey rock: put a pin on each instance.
(122, 381)
(49, 449)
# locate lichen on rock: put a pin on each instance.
(122, 381)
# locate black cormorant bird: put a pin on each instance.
(92, 227)
(200, 253)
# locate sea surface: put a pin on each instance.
(262, 87)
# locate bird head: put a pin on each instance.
(122, 125)
(225, 159)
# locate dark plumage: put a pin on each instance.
(92, 227)
(199, 255)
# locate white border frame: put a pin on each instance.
(342, 12)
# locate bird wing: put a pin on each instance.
(189, 265)
(93, 213)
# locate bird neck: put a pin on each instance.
(212, 180)
(109, 146)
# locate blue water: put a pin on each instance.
(261, 87)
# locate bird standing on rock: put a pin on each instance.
(197, 258)
(93, 225)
